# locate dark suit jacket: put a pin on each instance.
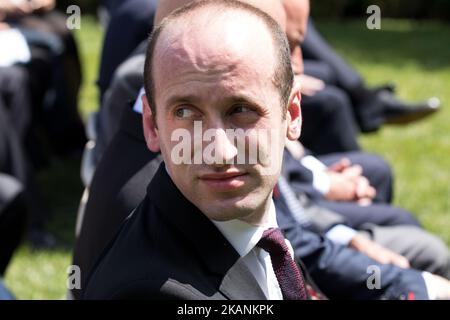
(118, 186)
(168, 249)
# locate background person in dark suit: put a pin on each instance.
(13, 192)
(130, 22)
(371, 107)
(54, 70)
(335, 96)
(17, 152)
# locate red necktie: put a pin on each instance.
(286, 270)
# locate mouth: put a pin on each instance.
(225, 181)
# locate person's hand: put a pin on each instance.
(310, 85)
(442, 287)
(377, 252)
(42, 5)
(341, 165)
(348, 184)
(342, 188)
(3, 26)
(9, 8)
(364, 191)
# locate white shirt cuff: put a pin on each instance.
(341, 234)
(321, 180)
(430, 284)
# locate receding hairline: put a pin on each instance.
(175, 26)
(183, 15)
(282, 77)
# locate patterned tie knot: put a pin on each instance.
(273, 242)
(286, 270)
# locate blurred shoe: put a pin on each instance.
(397, 112)
(377, 106)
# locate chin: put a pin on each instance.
(230, 209)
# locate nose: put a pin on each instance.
(222, 150)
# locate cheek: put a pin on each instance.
(165, 132)
(270, 142)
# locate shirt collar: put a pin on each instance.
(244, 236)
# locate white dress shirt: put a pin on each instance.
(244, 237)
(14, 48)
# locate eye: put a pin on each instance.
(244, 114)
(184, 112)
(241, 109)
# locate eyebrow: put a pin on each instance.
(177, 99)
(193, 99)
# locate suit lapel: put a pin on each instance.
(239, 284)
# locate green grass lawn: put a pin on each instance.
(414, 55)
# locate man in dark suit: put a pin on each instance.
(370, 107)
(130, 22)
(335, 97)
(54, 67)
(112, 201)
(13, 200)
(215, 219)
(133, 230)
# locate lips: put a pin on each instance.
(224, 181)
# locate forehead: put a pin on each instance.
(213, 43)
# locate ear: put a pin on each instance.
(294, 114)
(150, 129)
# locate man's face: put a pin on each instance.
(221, 84)
(297, 13)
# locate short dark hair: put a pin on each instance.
(283, 75)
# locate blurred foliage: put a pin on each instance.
(413, 9)
(87, 6)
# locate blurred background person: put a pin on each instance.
(54, 70)
(40, 76)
